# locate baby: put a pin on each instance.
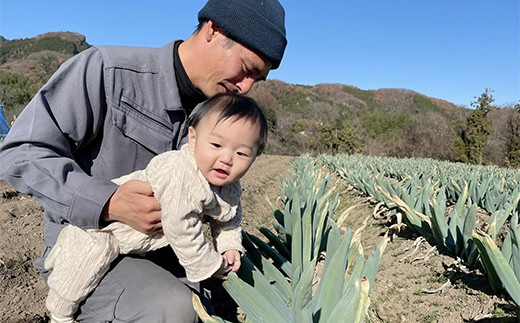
(201, 180)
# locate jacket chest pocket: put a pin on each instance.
(143, 127)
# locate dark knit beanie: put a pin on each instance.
(257, 24)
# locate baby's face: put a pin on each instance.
(224, 151)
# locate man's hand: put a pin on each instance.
(134, 204)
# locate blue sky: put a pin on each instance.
(451, 50)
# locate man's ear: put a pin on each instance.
(211, 30)
(192, 138)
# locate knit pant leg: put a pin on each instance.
(132, 241)
(82, 261)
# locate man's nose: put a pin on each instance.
(245, 85)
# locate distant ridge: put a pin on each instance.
(385, 122)
(66, 43)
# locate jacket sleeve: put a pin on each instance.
(182, 197)
(38, 155)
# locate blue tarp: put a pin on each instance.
(4, 126)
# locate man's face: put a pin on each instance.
(230, 66)
(224, 151)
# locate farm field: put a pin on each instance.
(416, 282)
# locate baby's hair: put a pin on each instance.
(231, 105)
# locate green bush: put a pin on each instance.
(382, 125)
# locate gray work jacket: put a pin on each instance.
(106, 112)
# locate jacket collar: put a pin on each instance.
(169, 89)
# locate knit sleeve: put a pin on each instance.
(138, 174)
(182, 196)
(228, 235)
(225, 226)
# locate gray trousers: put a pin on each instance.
(139, 288)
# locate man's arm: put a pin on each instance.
(38, 156)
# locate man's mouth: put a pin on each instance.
(229, 88)
(224, 88)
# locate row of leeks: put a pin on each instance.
(489, 187)
(459, 232)
(275, 281)
(421, 203)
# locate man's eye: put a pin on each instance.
(247, 70)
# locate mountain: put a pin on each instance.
(26, 64)
(387, 122)
(383, 122)
(37, 58)
(324, 118)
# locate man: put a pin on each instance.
(106, 112)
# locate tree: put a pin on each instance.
(476, 130)
(513, 138)
(270, 117)
(337, 137)
(459, 147)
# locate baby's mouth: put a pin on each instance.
(221, 173)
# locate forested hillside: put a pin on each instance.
(26, 64)
(336, 118)
(325, 118)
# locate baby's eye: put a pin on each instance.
(242, 154)
(216, 145)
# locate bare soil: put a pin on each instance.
(416, 282)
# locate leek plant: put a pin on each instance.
(502, 265)
(267, 295)
(454, 231)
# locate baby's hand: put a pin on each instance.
(232, 258)
(230, 262)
